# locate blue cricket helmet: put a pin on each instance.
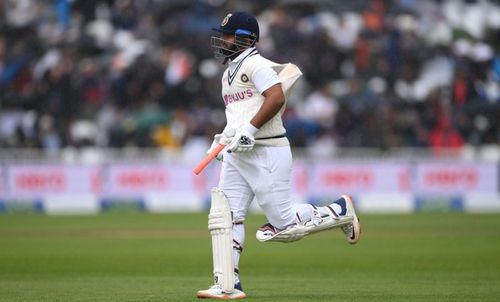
(240, 24)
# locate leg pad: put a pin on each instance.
(220, 225)
(299, 231)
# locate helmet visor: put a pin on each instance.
(226, 49)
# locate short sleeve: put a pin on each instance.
(265, 78)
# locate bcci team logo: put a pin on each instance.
(226, 19)
(244, 78)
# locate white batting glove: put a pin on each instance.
(223, 138)
(244, 139)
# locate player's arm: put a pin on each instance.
(274, 100)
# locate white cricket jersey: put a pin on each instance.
(240, 83)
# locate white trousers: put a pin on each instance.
(263, 173)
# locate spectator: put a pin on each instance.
(444, 139)
(63, 62)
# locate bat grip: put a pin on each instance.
(197, 170)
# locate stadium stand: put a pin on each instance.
(390, 74)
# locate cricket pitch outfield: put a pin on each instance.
(167, 257)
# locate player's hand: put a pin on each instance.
(244, 139)
(223, 138)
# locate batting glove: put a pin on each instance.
(244, 139)
(223, 138)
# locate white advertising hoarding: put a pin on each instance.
(300, 178)
(2, 184)
(455, 178)
(335, 178)
(169, 187)
(33, 181)
(136, 180)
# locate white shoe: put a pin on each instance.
(266, 232)
(216, 292)
(352, 230)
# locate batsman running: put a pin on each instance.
(257, 160)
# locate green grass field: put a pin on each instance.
(147, 257)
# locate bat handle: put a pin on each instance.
(197, 170)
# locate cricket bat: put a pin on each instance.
(202, 165)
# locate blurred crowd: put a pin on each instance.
(378, 74)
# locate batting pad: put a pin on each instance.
(299, 231)
(220, 225)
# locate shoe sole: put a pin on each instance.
(356, 229)
(220, 297)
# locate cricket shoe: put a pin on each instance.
(216, 292)
(266, 232)
(238, 286)
(352, 230)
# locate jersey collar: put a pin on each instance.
(242, 55)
